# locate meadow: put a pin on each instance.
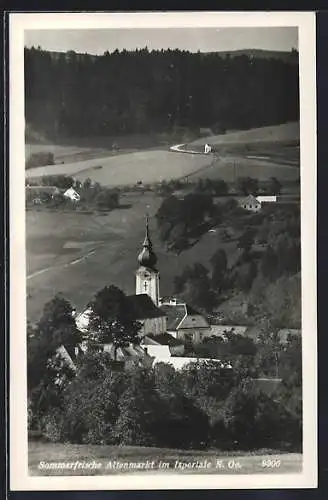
(79, 253)
(263, 158)
(231, 463)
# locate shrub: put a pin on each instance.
(40, 159)
(254, 420)
(60, 181)
(52, 425)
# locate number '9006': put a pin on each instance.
(271, 463)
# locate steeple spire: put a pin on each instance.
(147, 256)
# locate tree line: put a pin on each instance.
(202, 406)
(265, 268)
(93, 404)
(70, 94)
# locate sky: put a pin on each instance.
(97, 41)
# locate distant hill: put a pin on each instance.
(291, 56)
(287, 56)
(273, 134)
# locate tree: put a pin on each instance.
(244, 275)
(183, 423)
(40, 159)
(107, 199)
(157, 91)
(178, 238)
(55, 328)
(194, 286)
(112, 319)
(247, 409)
(246, 240)
(91, 404)
(220, 187)
(274, 186)
(219, 263)
(139, 409)
(197, 293)
(248, 185)
(168, 215)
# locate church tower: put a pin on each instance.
(147, 276)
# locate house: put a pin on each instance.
(60, 362)
(267, 385)
(285, 335)
(185, 323)
(266, 199)
(223, 330)
(128, 355)
(72, 194)
(175, 346)
(40, 194)
(181, 363)
(250, 203)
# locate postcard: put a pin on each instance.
(163, 330)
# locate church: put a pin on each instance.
(168, 322)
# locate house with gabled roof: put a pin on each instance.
(184, 322)
(250, 203)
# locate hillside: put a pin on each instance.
(286, 132)
(144, 92)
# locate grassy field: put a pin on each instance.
(274, 134)
(177, 460)
(266, 155)
(77, 254)
(129, 168)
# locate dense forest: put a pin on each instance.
(70, 94)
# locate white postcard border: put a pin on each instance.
(19, 478)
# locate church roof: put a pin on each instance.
(174, 314)
(144, 307)
(147, 256)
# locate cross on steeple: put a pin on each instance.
(145, 286)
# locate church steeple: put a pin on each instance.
(147, 257)
(147, 276)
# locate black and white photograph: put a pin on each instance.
(162, 187)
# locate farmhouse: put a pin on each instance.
(72, 194)
(250, 203)
(40, 194)
(266, 199)
(285, 335)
